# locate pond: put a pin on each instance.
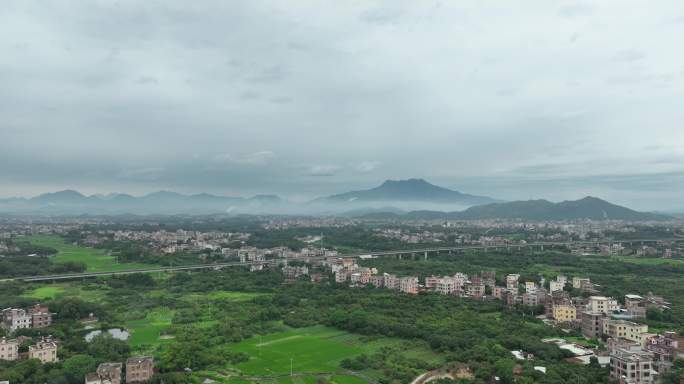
(117, 333)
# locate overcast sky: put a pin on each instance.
(513, 99)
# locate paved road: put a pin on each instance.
(421, 252)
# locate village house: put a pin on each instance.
(564, 313)
(292, 273)
(592, 324)
(622, 329)
(40, 316)
(666, 348)
(408, 284)
(632, 365)
(13, 319)
(635, 306)
(9, 349)
(107, 373)
(44, 350)
(602, 304)
(139, 369)
(512, 282)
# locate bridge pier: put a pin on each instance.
(426, 255)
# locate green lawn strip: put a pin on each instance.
(96, 260)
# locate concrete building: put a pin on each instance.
(602, 304)
(636, 306)
(40, 316)
(9, 349)
(632, 365)
(564, 313)
(556, 286)
(580, 282)
(139, 369)
(107, 373)
(530, 287)
(592, 326)
(408, 284)
(45, 350)
(391, 281)
(666, 348)
(446, 286)
(13, 319)
(512, 282)
(377, 281)
(628, 330)
(476, 291)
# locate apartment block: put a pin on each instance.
(9, 349)
(627, 330)
(564, 313)
(592, 326)
(602, 304)
(632, 365)
(139, 369)
(45, 350)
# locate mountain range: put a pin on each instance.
(393, 199)
(590, 208)
(411, 190)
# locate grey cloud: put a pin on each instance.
(575, 10)
(323, 170)
(118, 98)
(628, 55)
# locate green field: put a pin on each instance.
(312, 353)
(62, 290)
(96, 260)
(145, 333)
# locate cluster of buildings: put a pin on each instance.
(138, 370)
(45, 349)
(38, 316)
(414, 237)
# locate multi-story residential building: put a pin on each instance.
(139, 369)
(512, 282)
(564, 313)
(408, 284)
(562, 279)
(498, 292)
(556, 286)
(341, 276)
(628, 330)
(377, 281)
(41, 316)
(13, 319)
(9, 349)
(665, 348)
(530, 287)
(431, 282)
(107, 373)
(292, 273)
(602, 304)
(632, 365)
(635, 306)
(592, 326)
(578, 282)
(475, 291)
(391, 281)
(530, 299)
(45, 350)
(446, 286)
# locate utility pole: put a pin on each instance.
(291, 371)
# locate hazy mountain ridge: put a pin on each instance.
(73, 202)
(587, 208)
(403, 199)
(417, 190)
